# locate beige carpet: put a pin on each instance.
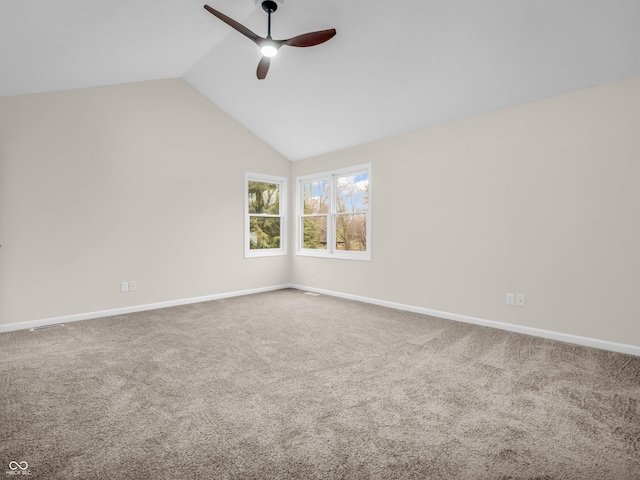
(284, 385)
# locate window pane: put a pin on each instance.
(352, 193)
(315, 232)
(264, 232)
(316, 197)
(264, 197)
(351, 232)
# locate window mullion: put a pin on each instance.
(331, 218)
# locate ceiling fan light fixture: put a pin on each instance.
(268, 50)
(268, 46)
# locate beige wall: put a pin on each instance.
(133, 182)
(542, 199)
(145, 182)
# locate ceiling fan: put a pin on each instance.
(268, 46)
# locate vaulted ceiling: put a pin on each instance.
(393, 67)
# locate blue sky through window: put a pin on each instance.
(352, 192)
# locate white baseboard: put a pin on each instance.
(137, 308)
(536, 332)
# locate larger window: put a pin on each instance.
(334, 214)
(265, 207)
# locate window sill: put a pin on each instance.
(362, 256)
(264, 253)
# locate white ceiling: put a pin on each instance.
(392, 68)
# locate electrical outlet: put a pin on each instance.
(312, 272)
(124, 286)
(133, 286)
(511, 299)
(520, 299)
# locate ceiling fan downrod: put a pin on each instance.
(269, 6)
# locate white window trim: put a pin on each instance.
(331, 252)
(267, 252)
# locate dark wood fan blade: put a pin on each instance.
(263, 67)
(232, 23)
(310, 39)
